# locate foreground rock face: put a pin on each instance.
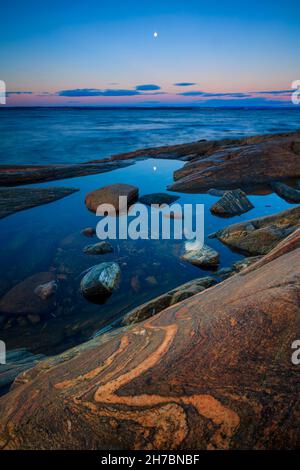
(110, 195)
(204, 256)
(259, 236)
(172, 297)
(232, 203)
(17, 199)
(100, 280)
(212, 372)
(241, 164)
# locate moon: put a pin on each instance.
(155, 34)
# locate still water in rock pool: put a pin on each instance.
(48, 239)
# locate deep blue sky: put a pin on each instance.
(100, 52)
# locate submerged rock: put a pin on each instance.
(34, 295)
(286, 192)
(259, 236)
(44, 291)
(100, 281)
(232, 203)
(158, 198)
(110, 195)
(172, 297)
(88, 232)
(100, 248)
(200, 255)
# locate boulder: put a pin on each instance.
(200, 255)
(100, 281)
(158, 198)
(211, 372)
(100, 248)
(286, 192)
(110, 195)
(148, 309)
(259, 236)
(34, 295)
(232, 203)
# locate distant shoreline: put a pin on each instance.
(160, 108)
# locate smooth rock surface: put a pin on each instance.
(110, 195)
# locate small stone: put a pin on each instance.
(100, 281)
(34, 319)
(200, 255)
(44, 291)
(151, 280)
(232, 203)
(88, 232)
(100, 248)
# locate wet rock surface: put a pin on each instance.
(286, 192)
(199, 255)
(17, 361)
(14, 175)
(110, 195)
(186, 375)
(172, 297)
(232, 203)
(245, 163)
(17, 199)
(100, 248)
(100, 281)
(259, 236)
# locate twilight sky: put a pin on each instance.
(96, 52)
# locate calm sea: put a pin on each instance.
(68, 135)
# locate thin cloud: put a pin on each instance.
(184, 84)
(149, 87)
(9, 93)
(96, 92)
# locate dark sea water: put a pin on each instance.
(47, 238)
(55, 135)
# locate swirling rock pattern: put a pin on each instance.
(212, 372)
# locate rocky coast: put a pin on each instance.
(204, 365)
